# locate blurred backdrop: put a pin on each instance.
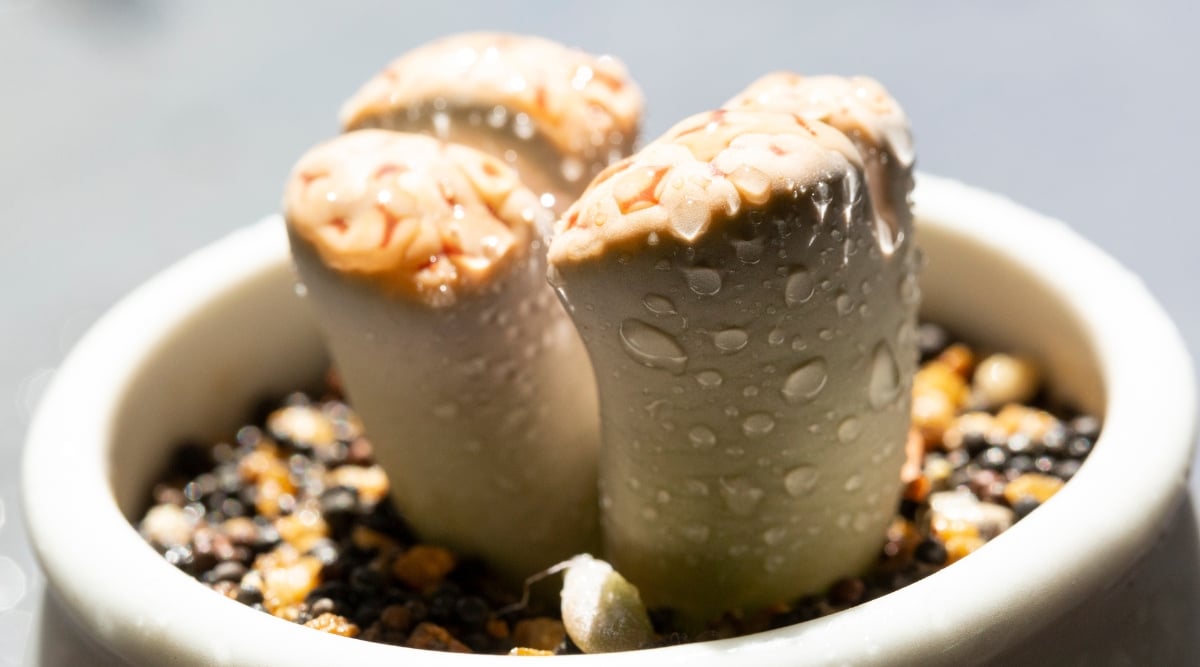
(132, 132)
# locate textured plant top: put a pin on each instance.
(578, 101)
(706, 168)
(420, 217)
(857, 105)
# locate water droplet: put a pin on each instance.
(695, 532)
(709, 379)
(649, 513)
(446, 411)
(13, 583)
(801, 480)
(663, 496)
(776, 337)
(659, 305)
(652, 347)
(731, 411)
(703, 281)
(696, 487)
(738, 550)
(798, 344)
(825, 334)
(740, 495)
(862, 521)
(821, 199)
(731, 340)
(844, 304)
(301, 290)
(749, 252)
(799, 287)
(758, 425)
(805, 382)
(773, 563)
(652, 239)
(522, 126)
(750, 392)
(702, 437)
(853, 483)
(773, 536)
(910, 290)
(884, 385)
(849, 429)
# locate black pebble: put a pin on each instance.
(250, 596)
(1086, 426)
(992, 458)
(472, 611)
(1024, 506)
(226, 571)
(189, 460)
(1066, 469)
(1079, 447)
(974, 443)
(1020, 464)
(931, 551)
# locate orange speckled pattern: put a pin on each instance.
(709, 165)
(421, 217)
(577, 100)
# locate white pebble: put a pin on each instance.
(167, 526)
(602, 612)
(1001, 379)
(949, 507)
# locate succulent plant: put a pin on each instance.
(557, 115)
(744, 287)
(743, 310)
(425, 263)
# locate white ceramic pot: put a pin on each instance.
(191, 351)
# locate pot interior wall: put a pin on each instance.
(259, 342)
(237, 350)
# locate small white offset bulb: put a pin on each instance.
(601, 610)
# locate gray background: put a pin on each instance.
(132, 132)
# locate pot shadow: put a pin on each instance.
(58, 641)
(1149, 616)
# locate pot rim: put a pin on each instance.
(1088, 529)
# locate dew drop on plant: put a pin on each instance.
(702, 437)
(658, 304)
(740, 495)
(776, 337)
(801, 480)
(703, 281)
(799, 287)
(758, 425)
(749, 252)
(652, 347)
(849, 429)
(709, 379)
(773, 536)
(695, 532)
(884, 384)
(731, 340)
(910, 290)
(844, 304)
(804, 383)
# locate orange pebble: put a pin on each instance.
(959, 358)
(1032, 485)
(434, 637)
(522, 650)
(539, 633)
(932, 414)
(423, 567)
(960, 546)
(334, 625)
